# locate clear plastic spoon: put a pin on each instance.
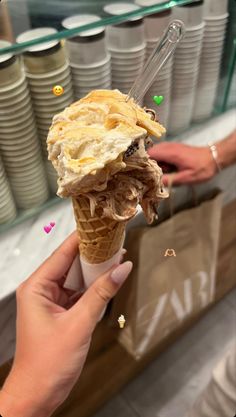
(165, 48)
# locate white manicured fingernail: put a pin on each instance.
(121, 272)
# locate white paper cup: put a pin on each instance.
(209, 44)
(50, 76)
(156, 24)
(33, 170)
(211, 52)
(216, 24)
(191, 16)
(12, 107)
(217, 30)
(192, 41)
(88, 46)
(25, 147)
(51, 108)
(7, 89)
(24, 159)
(132, 52)
(83, 81)
(182, 73)
(47, 85)
(127, 34)
(211, 60)
(93, 67)
(10, 67)
(28, 178)
(186, 61)
(215, 7)
(17, 129)
(32, 190)
(20, 134)
(127, 62)
(86, 90)
(42, 57)
(33, 34)
(208, 73)
(91, 76)
(188, 49)
(127, 73)
(125, 37)
(17, 122)
(86, 53)
(50, 98)
(18, 98)
(12, 94)
(215, 34)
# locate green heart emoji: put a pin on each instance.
(158, 99)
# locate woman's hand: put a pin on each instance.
(53, 334)
(194, 164)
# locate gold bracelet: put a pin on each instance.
(214, 153)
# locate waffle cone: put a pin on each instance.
(99, 238)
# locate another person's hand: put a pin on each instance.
(194, 164)
(53, 334)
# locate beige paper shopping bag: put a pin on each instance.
(173, 278)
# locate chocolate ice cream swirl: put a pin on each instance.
(138, 183)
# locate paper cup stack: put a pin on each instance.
(126, 43)
(155, 25)
(216, 17)
(7, 205)
(186, 66)
(46, 67)
(19, 143)
(88, 56)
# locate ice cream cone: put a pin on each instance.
(99, 238)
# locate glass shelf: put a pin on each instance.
(52, 12)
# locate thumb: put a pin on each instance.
(91, 305)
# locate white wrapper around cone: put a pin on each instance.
(93, 271)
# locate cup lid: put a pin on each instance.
(116, 9)
(81, 20)
(33, 34)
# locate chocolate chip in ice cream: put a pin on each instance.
(132, 149)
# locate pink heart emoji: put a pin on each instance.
(52, 224)
(47, 229)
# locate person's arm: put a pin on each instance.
(194, 164)
(53, 334)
